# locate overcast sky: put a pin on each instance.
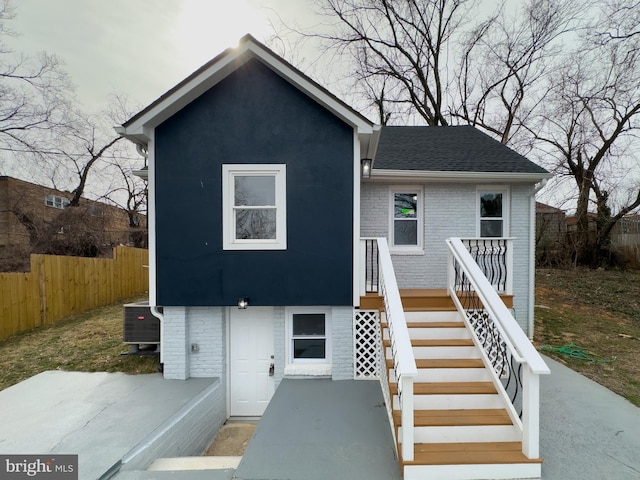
(140, 48)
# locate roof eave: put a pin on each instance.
(464, 177)
(137, 128)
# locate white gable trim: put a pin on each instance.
(139, 129)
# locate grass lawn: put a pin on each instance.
(599, 312)
(87, 342)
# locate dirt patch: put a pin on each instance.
(599, 312)
(231, 440)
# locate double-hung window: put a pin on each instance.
(254, 207)
(493, 212)
(406, 229)
(308, 336)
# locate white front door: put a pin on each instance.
(251, 355)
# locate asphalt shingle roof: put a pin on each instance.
(447, 149)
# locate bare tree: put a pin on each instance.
(401, 49)
(34, 96)
(504, 62)
(590, 127)
(130, 194)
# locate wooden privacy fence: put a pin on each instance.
(59, 286)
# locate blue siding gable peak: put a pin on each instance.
(136, 128)
(254, 116)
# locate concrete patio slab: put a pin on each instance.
(321, 429)
(101, 417)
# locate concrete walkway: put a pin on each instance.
(319, 430)
(587, 432)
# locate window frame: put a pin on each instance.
(229, 172)
(417, 249)
(56, 201)
(290, 337)
(494, 189)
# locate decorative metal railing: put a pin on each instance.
(494, 256)
(404, 363)
(516, 365)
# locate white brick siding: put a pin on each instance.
(342, 343)
(207, 328)
(520, 222)
(450, 210)
(174, 343)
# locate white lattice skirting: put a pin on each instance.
(366, 344)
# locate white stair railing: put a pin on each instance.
(404, 363)
(516, 364)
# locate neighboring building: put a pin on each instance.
(265, 193)
(626, 233)
(551, 234)
(31, 214)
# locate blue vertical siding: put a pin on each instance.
(254, 116)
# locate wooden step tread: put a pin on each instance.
(438, 342)
(459, 324)
(448, 388)
(444, 363)
(427, 308)
(456, 418)
(469, 454)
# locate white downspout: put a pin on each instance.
(142, 151)
(532, 254)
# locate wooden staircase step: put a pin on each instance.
(429, 324)
(448, 388)
(469, 454)
(455, 418)
(446, 342)
(444, 363)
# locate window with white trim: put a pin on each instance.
(254, 207)
(309, 336)
(56, 202)
(493, 212)
(406, 229)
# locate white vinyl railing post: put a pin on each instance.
(407, 418)
(451, 272)
(530, 413)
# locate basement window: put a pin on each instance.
(309, 340)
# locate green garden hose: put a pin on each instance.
(574, 351)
